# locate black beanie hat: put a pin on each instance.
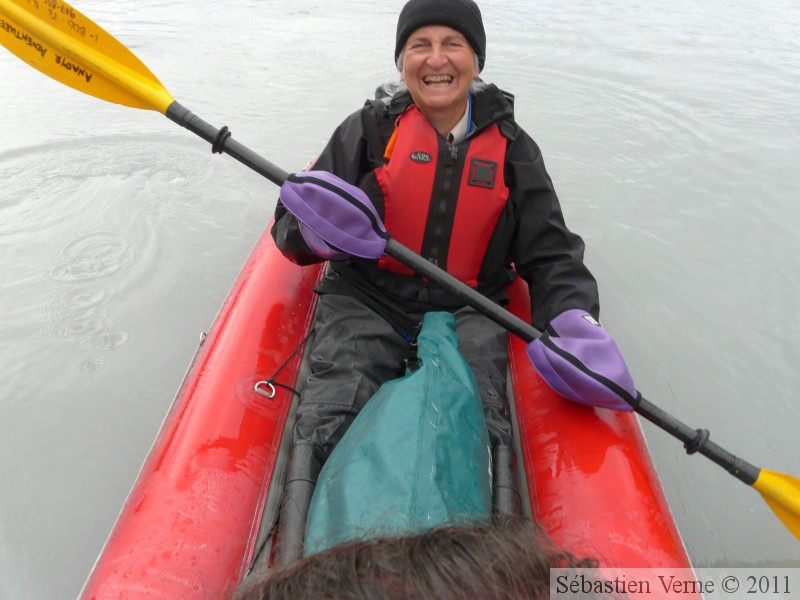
(462, 15)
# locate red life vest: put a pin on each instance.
(441, 201)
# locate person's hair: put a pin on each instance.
(504, 558)
(476, 86)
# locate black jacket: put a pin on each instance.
(531, 238)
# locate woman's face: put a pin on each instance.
(438, 68)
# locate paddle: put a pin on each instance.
(62, 43)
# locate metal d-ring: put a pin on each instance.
(260, 388)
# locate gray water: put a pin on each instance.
(672, 131)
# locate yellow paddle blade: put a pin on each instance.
(782, 493)
(62, 43)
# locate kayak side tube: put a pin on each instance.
(188, 528)
(589, 472)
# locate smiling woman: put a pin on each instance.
(452, 176)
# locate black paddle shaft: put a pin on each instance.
(694, 440)
(221, 141)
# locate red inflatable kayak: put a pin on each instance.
(212, 481)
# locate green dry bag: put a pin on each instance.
(417, 455)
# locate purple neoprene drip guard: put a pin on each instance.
(339, 213)
(582, 363)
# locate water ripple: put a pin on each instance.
(92, 256)
(96, 208)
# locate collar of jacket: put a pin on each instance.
(490, 105)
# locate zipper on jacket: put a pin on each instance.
(444, 198)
